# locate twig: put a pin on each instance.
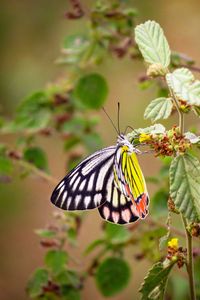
(189, 264)
(38, 172)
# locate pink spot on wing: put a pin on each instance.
(106, 212)
(126, 215)
(134, 210)
(115, 216)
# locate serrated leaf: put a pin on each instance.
(37, 282)
(159, 108)
(152, 43)
(184, 178)
(37, 157)
(91, 90)
(112, 276)
(181, 81)
(117, 234)
(154, 284)
(56, 260)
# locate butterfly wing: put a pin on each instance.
(118, 208)
(85, 187)
(130, 180)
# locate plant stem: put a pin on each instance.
(189, 264)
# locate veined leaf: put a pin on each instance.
(159, 108)
(152, 43)
(185, 185)
(181, 81)
(112, 276)
(155, 282)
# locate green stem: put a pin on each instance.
(189, 263)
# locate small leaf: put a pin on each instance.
(56, 260)
(117, 234)
(37, 282)
(93, 246)
(91, 90)
(45, 233)
(37, 157)
(181, 81)
(152, 43)
(74, 48)
(32, 114)
(155, 282)
(112, 276)
(159, 108)
(185, 185)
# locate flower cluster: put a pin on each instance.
(168, 143)
(175, 253)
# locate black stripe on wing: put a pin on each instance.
(85, 187)
(117, 208)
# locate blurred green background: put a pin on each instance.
(31, 34)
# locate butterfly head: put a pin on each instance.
(122, 141)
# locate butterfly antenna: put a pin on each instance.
(110, 120)
(118, 112)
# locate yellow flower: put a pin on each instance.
(173, 243)
(144, 137)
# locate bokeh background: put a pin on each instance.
(31, 34)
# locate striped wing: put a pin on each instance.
(118, 208)
(130, 180)
(85, 187)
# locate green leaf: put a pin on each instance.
(32, 114)
(69, 293)
(112, 276)
(159, 202)
(159, 108)
(91, 90)
(37, 157)
(185, 185)
(56, 260)
(93, 246)
(74, 47)
(181, 81)
(155, 282)
(6, 165)
(68, 277)
(37, 282)
(152, 43)
(45, 233)
(92, 141)
(71, 142)
(117, 234)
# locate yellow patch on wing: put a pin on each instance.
(133, 174)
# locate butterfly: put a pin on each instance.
(110, 180)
